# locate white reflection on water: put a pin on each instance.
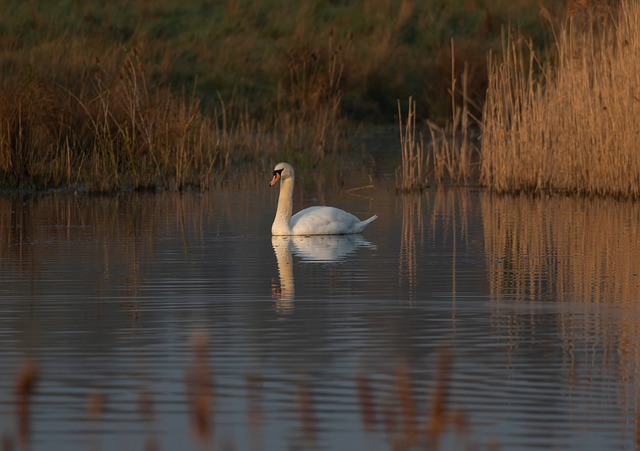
(310, 249)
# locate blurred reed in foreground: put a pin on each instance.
(391, 405)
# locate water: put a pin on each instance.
(457, 320)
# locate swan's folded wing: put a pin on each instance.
(323, 221)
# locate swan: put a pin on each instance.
(317, 220)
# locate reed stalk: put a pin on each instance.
(411, 175)
(569, 125)
(452, 145)
(309, 121)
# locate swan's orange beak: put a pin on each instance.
(276, 178)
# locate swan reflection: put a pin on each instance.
(310, 249)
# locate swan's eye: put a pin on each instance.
(279, 172)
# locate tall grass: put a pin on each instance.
(308, 120)
(112, 132)
(109, 126)
(569, 125)
(220, 83)
(412, 175)
(452, 145)
(449, 155)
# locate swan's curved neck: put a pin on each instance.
(285, 208)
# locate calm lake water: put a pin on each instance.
(457, 320)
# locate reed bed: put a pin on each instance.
(450, 155)
(308, 122)
(111, 133)
(452, 145)
(110, 126)
(219, 84)
(412, 175)
(568, 125)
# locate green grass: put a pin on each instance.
(240, 48)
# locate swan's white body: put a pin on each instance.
(313, 220)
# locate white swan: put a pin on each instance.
(313, 220)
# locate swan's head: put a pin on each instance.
(281, 171)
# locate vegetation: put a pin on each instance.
(166, 95)
(139, 95)
(557, 121)
(568, 125)
(412, 174)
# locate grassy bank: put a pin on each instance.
(139, 95)
(241, 48)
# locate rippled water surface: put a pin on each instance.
(457, 320)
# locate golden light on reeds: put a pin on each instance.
(569, 125)
(452, 146)
(449, 155)
(412, 175)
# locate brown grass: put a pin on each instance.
(449, 155)
(452, 146)
(571, 125)
(412, 175)
(112, 132)
(308, 122)
(110, 125)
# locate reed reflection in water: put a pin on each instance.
(570, 253)
(460, 320)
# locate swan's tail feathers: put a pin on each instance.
(362, 224)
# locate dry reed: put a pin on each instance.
(410, 422)
(451, 145)
(112, 128)
(569, 126)
(309, 122)
(366, 401)
(412, 175)
(450, 153)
